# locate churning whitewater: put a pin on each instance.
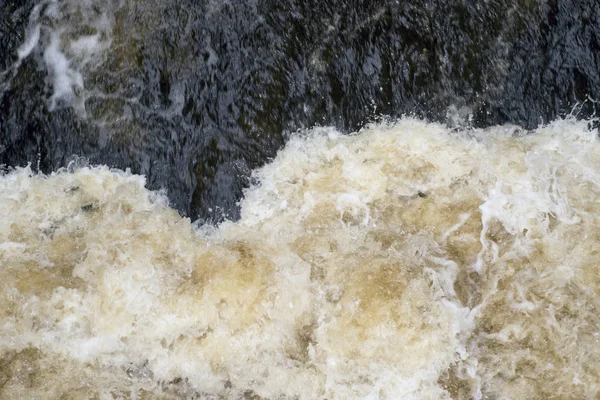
(404, 261)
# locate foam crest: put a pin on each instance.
(404, 261)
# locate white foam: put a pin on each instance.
(69, 56)
(32, 38)
(65, 80)
(405, 261)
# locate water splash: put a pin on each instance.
(404, 261)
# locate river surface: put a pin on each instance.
(299, 200)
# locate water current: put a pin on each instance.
(299, 200)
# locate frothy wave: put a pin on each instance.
(404, 261)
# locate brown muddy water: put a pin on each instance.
(299, 200)
(404, 261)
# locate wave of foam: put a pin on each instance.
(405, 261)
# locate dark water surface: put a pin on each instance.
(195, 95)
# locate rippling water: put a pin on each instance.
(249, 253)
(196, 94)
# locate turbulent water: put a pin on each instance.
(409, 260)
(196, 94)
(404, 261)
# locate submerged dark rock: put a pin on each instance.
(195, 96)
